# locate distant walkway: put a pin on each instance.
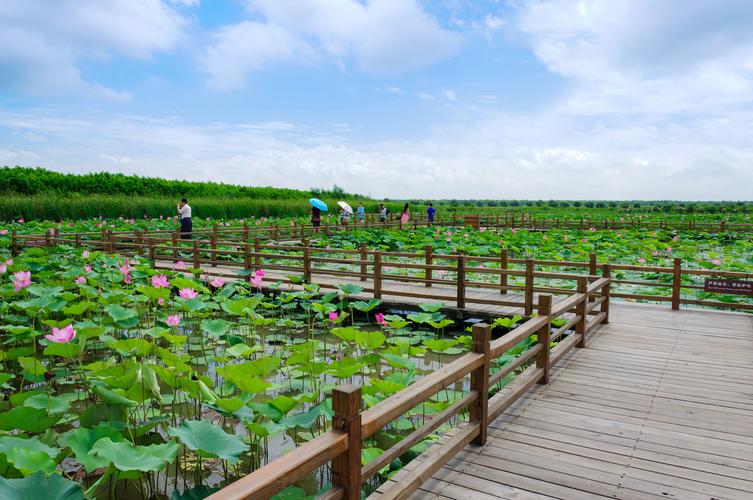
(660, 405)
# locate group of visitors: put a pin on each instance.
(383, 213)
(186, 224)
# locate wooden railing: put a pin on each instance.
(273, 230)
(454, 273)
(342, 445)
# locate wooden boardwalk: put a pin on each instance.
(660, 405)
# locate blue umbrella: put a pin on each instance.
(316, 202)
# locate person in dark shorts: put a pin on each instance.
(430, 213)
(382, 213)
(186, 223)
(316, 218)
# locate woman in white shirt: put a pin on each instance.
(186, 224)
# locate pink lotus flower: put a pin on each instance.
(85, 254)
(21, 280)
(3, 268)
(217, 282)
(180, 265)
(88, 268)
(642, 260)
(127, 279)
(126, 268)
(9, 262)
(260, 273)
(62, 335)
(188, 293)
(327, 248)
(257, 281)
(160, 281)
(81, 280)
(3, 232)
(21, 220)
(173, 320)
(161, 301)
(333, 316)
(716, 262)
(669, 249)
(379, 317)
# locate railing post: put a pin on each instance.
(14, 243)
(47, 238)
(77, 237)
(580, 310)
(307, 264)
(605, 291)
(245, 231)
(529, 288)
(461, 282)
(57, 236)
(503, 268)
(429, 260)
(479, 410)
(364, 256)
(346, 467)
(676, 283)
(592, 264)
(377, 275)
(139, 241)
(246, 256)
(257, 250)
(113, 246)
(196, 255)
(543, 336)
(175, 244)
(213, 246)
(152, 252)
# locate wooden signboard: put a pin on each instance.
(734, 287)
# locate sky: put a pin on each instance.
(508, 99)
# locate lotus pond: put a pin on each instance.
(121, 381)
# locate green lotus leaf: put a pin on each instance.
(127, 457)
(27, 419)
(119, 313)
(113, 397)
(265, 429)
(397, 361)
(82, 440)
(53, 486)
(28, 455)
(209, 439)
(370, 340)
(31, 366)
(430, 308)
(440, 345)
(366, 306)
(216, 327)
(51, 404)
(350, 289)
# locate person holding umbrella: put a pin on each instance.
(345, 214)
(317, 207)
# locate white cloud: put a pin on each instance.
(382, 37)
(642, 56)
(510, 156)
(42, 42)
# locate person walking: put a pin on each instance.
(316, 219)
(344, 217)
(430, 213)
(186, 223)
(382, 213)
(361, 213)
(404, 216)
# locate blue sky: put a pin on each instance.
(615, 99)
